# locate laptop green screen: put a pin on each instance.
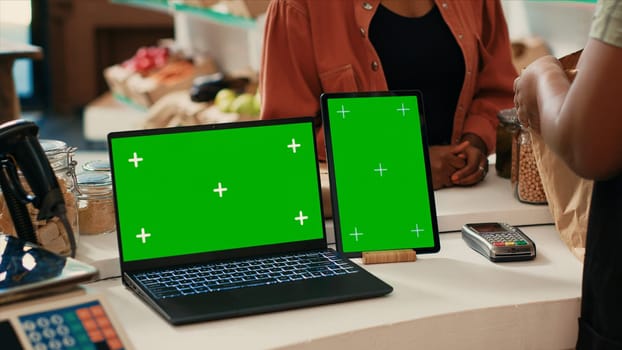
(188, 191)
(382, 196)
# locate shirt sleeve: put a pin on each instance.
(289, 83)
(494, 86)
(607, 22)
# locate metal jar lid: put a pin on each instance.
(51, 147)
(97, 165)
(508, 116)
(94, 179)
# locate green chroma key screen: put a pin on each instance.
(382, 197)
(185, 192)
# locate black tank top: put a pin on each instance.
(421, 53)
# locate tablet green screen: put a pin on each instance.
(382, 197)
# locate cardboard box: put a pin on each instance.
(145, 61)
(248, 8)
(116, 77)
(175, 76)
(527, 50)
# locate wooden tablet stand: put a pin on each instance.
(389, 256)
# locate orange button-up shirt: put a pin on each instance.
(316, 46)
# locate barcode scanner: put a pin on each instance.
(20, 149)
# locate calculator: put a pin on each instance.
(499, 241)
(83, 322)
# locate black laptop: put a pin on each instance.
(223, 220)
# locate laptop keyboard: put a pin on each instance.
(206, 278)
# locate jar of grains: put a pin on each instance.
(52, 233)
(524, 173)
(95, 203)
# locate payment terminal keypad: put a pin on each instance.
(501, 239)
(81, 326)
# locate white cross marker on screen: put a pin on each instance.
(293, 145)
(135, 160)
(380, 169)
(301, 218)
(220, 189)
(417, 230)
(343, 112)
(143, 235)
(356, 234)
(403, 110)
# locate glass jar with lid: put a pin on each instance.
(525, 176)
(96, 207)
(52, 234)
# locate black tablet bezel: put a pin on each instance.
(324, 98)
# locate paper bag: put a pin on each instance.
(568, 196)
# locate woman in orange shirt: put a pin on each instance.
(457, 53)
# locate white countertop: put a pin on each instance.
(452, 299)
(491, 200)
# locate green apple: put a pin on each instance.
(257, 103)
(224, 100)
(244, 104)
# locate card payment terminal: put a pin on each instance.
(499, 241)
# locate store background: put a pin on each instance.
(80, 38)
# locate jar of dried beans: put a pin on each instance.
(525, 176)
(52, 233)
(96, 207)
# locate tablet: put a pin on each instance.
(28, 270)
(379, 170)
